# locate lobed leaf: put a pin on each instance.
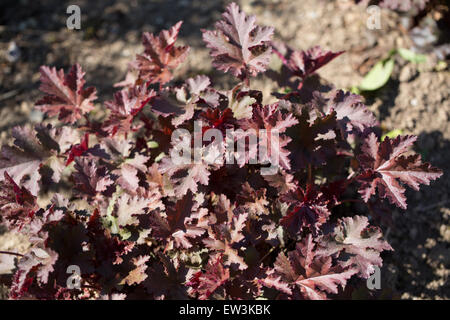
(238, 45)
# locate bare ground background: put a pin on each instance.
(416, 99)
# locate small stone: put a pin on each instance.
(24, 107)
(445, 232)
(13, 52)
(36, 116)
(407, 74)
(430, 243)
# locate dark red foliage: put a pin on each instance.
(139, 224)
(78, 149)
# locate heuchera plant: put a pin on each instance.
(102, 193)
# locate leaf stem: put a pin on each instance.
(309, 173)
(265, 256)
(247, 81)
(12, 253)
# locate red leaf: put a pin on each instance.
(308, 210)
(385, 165)
(185, 177)
(314, 277)
(238, 45)
(224, 237)
(206, 283)
(273, 121)
(363, 243)
(78, 149)
(126, 105)
(351, 114)
(178, 224)
(282, 181)
(24, 160)
(313, 139)
(161, 56)
(66, 96)
(89, 178)
(305, 63)
(38, 263)
(137, 275)
(17, 204)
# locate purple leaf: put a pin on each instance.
(66, 97)
(385, 166)
(238, 45)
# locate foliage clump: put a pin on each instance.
(139, 225)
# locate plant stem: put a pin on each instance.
(309, 173)
(265, 256)
(11, 253)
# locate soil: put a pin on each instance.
(415, 100)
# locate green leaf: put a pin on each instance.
(152, 144)
(378, 76)
(159, 157)
(411, 56)
(286, 90)
(392, 134)
(355, 90)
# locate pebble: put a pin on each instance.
(445, 232)
(430, 243)
(13, 52)
(407, 73)
(36, 116)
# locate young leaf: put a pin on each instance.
(351, 114)
(378, 76)
(66, 97)
(305, 63)
(308, 210)
(411, 56)
(126, 105)
(238, 45)
(89, 178)
(160, 56)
